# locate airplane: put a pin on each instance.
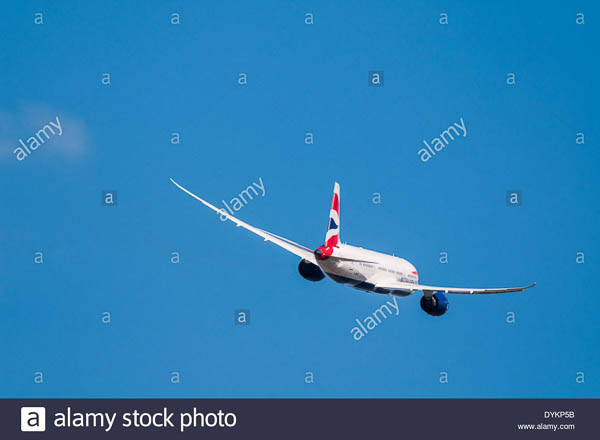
(356, 267)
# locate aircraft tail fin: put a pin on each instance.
(333, 228)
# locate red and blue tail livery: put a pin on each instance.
(332, 239)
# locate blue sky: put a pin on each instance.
(301, 78)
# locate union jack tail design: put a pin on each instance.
(332, 238)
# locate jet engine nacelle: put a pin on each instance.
(435, 305)
(310, 271)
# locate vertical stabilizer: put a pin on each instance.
(332, 238)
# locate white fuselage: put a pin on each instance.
(372, 269)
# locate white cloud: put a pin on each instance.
(28, 119)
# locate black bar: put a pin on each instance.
(314, 418)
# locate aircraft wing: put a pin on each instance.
(286, 244)
(429, 290)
